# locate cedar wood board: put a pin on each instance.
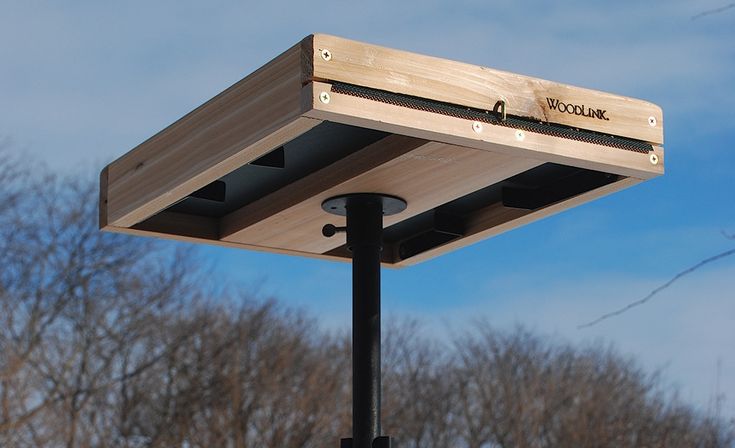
(281, 101)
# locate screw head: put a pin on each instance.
(477, 126)
(326, 54)
(324, 97)
(520, 135)
(652, 121)
(654, 159)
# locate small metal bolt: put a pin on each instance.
(652, 121)
(326, 54)
(654, 159)
(324, 97)
(477, 126)
(520, 135)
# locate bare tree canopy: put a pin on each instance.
(110, 341)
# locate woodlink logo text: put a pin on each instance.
(576, 109)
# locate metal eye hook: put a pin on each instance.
(501, 104)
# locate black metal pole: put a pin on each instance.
(364, 238)
(364, 212)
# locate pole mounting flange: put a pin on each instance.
(337, 205)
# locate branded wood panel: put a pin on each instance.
(481, 87)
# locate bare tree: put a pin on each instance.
(75, 306)
(245, 376)
(519, 390)
(110, 341)
(419, 398)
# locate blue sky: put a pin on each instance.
(83, 82)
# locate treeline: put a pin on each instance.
(110, 341)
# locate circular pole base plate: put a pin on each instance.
(338, 205)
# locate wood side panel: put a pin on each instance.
(437, 127)
(480, 87)
(102, 210)
(255, 115)
(496, 219)
(152, 229)
(425, 177)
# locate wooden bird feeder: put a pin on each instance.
(412, 156)
(471, 150)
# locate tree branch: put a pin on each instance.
(657, 290)
(713, 11)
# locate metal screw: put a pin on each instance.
(654, 159)
(520, 135)
(326, 54)
(652, 121)
(324, 97)
(477, 126)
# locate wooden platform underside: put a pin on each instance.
(336, 143)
